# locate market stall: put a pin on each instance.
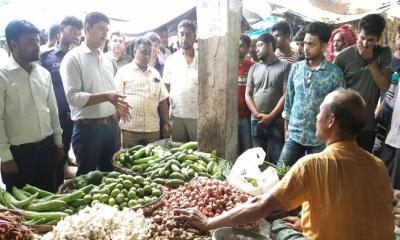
(133, 202)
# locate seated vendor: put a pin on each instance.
(344, 191)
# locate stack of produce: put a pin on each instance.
(211, 197)
(172, 167)
(11, 226)
(169, 229)
(101, 222)
(120, 190)
(39, 206)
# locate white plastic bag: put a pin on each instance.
(246, 169)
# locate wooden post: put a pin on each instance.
(218, 24)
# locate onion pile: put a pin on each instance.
(211, 197)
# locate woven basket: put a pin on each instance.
(68, 186)
(117, 167)
(149, 208)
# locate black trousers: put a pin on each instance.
(67, 126)
(35, 162)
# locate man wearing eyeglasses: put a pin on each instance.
(367, 67)
(309, 82)
(145, 92)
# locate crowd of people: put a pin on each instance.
(312, 107)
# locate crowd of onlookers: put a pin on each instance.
(95, 97)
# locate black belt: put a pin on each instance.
(97, 121)
(45, 143)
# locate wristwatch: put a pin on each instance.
(369, 60)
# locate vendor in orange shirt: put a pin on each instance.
(344, 191)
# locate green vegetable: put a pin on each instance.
(188, 145)
(20, 194)
(174, 182)
(52, 205)
(33, 190)
(282, 170)
(68, 198)
(140, 153)
(94, 177)
(47, 215)
(9, 199)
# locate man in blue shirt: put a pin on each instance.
(309, 82)
(71, 30)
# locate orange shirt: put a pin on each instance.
(345, 193)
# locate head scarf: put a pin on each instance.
(349, 39)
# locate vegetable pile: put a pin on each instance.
(171, 167)
(211, 197)
(11, 226)
(123, 190)
(101, 222)
(38, 206)
(169, 229)
(397, 208)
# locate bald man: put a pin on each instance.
(344, 191)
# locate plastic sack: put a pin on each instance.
(246, 175)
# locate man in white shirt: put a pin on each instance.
(30, 132)
(88, 79)
(145, 92)
(181, 79)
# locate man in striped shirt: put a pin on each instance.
(281, 33)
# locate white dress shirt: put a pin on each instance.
(393, 137)
(28, 107)
(184, 87)
(84, 73)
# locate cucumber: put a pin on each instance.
(175, 150)
(176, 163)
(192, 157)
(181, 157)
(195, 168)
(31, 189)
(136, 148)
(159, 180)
(139, 153)
(203, 174)
(174, 182)
(175, 168)
(176, 175)
(143, 160)
(52, 205)
(210, 167)
(205, 159)
(148, 149)
(188, 145)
